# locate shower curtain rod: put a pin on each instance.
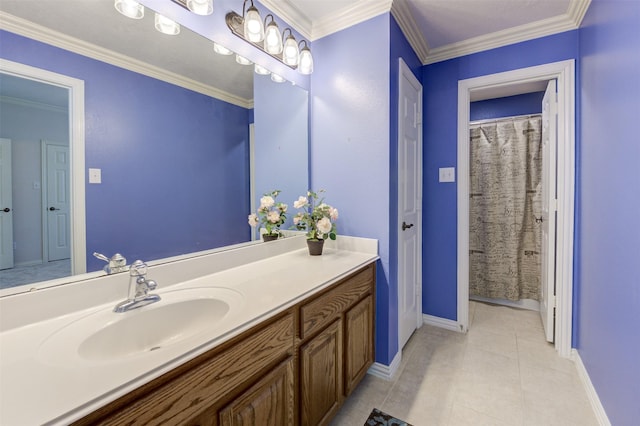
(497, 120)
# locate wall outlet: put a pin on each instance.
(447, 174)
(95, 175)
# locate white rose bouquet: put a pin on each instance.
(271, 214)
(316, 217)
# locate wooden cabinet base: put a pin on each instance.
(296, 368)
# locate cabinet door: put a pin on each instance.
(270, 402)
(321, 376)
(358, 342)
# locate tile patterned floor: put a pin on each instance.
(21, 275)
(502, 372)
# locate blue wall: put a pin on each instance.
(174, 162)
(350, 147)
(440, 83)
(510, 106)
(281, 134)
(608, 208)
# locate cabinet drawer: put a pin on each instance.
(325, 308)
(186, 396)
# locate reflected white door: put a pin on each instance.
(6, 207)
(409, 203)
(548, 248)
(57, 202)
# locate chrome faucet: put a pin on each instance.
(117, 263)
(139, 288)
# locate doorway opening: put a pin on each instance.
(507, 84)
(68, 196)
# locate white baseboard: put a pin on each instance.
(598, 409)
(386, 372)
(441, 322)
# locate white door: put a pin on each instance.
(57, 202)
(548, 249)
(6, 208)
(409, 203)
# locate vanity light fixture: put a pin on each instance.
(242, 60)
(221, 50)
(259, 69)
(272, 37)
(200, 7)
(290, 53)
(277, 78)
(166, 25)
(306, 60)
(251, 29)
(130, 8)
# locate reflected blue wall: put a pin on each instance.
(174, 162)
(281, 134)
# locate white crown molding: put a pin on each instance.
(401, 11)
(348, 17)
(330, 24)
(291, 15)
(26, 28)
(32, 104)
(557, 24)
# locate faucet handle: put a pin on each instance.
(152, 285)
(138, 269)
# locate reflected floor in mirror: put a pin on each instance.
(20, 275)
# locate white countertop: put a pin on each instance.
(38, 388)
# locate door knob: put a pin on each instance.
(51, 209)
(6, 210)
(405, 226)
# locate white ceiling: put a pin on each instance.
(439, 29)
(436, 29)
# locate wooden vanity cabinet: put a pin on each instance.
(336, 345)
(294, 369)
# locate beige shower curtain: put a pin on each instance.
(505, 208)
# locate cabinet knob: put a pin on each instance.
(405, 226)
(6, 210)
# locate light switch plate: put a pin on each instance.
(447, 174)
(95, 175)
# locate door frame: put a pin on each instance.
(77, 215)
(564, 73)
(404, 70)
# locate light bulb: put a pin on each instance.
(290, 51)
(242, 60)
(253, 28)
(200, 7)
(130, 8)
(306, 61)
(166, 25)
(273, 39)
(220, 49)
(259, 69)
(277, 78)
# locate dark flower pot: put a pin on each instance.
(315, 247)
(269, 237)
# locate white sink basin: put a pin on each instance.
(106, 336)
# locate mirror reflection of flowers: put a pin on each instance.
(317, 217)
(271, 214)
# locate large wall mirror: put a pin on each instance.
(170, 163)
